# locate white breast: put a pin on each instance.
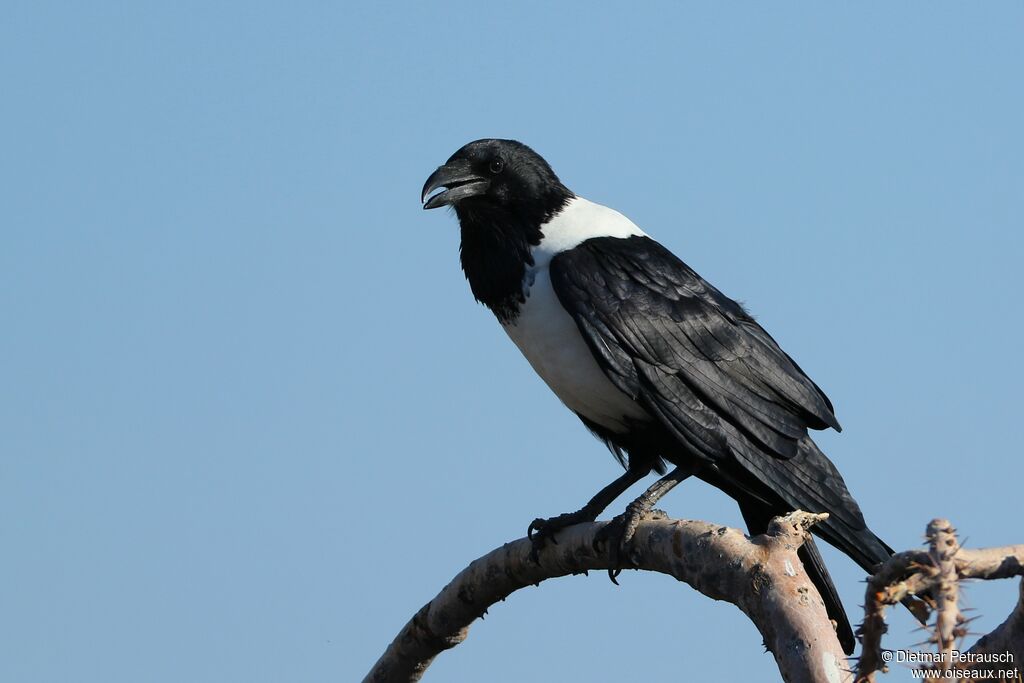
(549, 337)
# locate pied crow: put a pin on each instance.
(652, 358)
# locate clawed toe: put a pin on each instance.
(617, 538)
(542, 531)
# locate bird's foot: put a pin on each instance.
(541, 531)
(617, 537)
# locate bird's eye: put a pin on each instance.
(496, 166)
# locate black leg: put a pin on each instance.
(619, 532)
(541, 530)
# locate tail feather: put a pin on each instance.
(860, 545)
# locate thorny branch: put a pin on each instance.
(936, 574)
(943, 547)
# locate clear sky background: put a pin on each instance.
(252, 419)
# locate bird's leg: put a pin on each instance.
(618, 533)
(542, 530)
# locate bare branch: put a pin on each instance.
(762, 576)
(991, 563)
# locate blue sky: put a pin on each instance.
(252, 418)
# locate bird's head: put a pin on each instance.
(496, 176)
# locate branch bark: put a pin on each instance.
(762, 576)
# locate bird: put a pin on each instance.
(660, 365)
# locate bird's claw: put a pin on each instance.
(542, 530)
(617, 536)
(539, 533)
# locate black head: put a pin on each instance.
(503, 193)
(497, 176)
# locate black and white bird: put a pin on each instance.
(652, 358)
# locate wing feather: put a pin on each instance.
(667, 337)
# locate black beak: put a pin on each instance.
(459, 179)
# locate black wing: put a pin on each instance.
(699, 363)
(668, 338)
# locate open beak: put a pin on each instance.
(460, 181)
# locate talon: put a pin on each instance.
(612, 573)
(540, 531)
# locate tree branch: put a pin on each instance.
(762, 576)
